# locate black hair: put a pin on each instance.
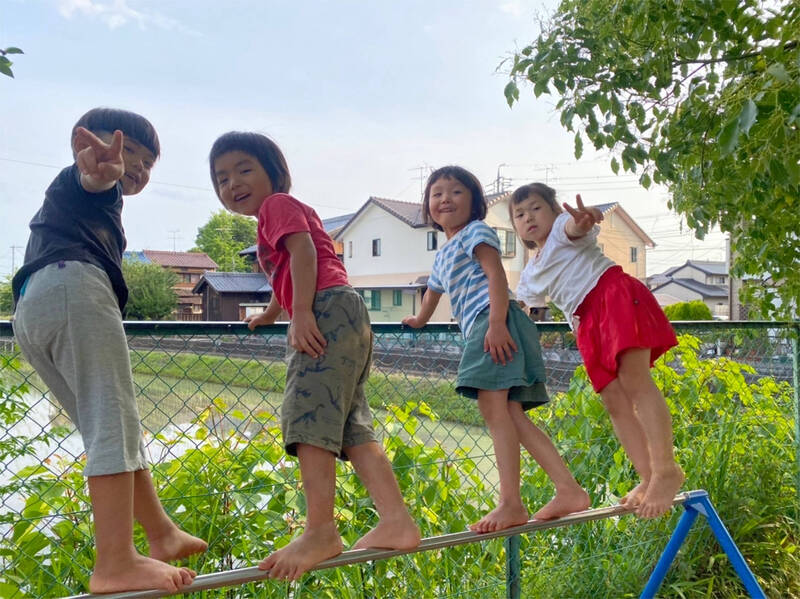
(547, 193)
(131, 124)
(468, 180)
(262, 148)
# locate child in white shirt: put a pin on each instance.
(620, 329)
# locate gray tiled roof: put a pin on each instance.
(698, 287)
(235, 282)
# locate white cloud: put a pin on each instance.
(117, 13)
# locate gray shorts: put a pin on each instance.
(324, 403)
(69, 327)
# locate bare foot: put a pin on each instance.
(664, 485)
(398, 533)
(138, 573)
(502, 517)
(176, 544)
(315, 545)
(634, 496)
(565, 502)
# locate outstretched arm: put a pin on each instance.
(429, 303)
(498, 340)
(100, 163)
(583, 219)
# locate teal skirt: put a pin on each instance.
(523, 376)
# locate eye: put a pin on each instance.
(128, 149)
(246, 170)
(221, 181)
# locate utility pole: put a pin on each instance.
(498, 182)
(173, 233)
(424, 171)
(14, 248)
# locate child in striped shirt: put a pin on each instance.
(502, 363)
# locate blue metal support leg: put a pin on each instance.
(699, 503)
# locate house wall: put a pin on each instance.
(617, 238)
(225, 306)
(403, 248)
(690, 272)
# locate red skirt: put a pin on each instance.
(619, 313)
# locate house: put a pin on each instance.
(232, 296)
(623, 241)
(389, 251)
(190, 267)
(331, 225)
(702, 280)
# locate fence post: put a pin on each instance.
(512, 567)
(796, 377)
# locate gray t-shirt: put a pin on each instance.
(74, 224)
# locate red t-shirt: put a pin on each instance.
(279, 216)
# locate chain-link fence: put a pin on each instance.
(209, 398)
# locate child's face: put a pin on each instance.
(533, 219)
(450, 205)
(242, 183)
(138, 163)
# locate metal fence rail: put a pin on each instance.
(209, 395)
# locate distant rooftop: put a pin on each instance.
(234, 282)
(175, 259)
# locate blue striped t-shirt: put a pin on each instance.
(457, 272)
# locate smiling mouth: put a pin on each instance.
(242, 197)
(133, 178)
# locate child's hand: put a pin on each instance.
(305, 336)
(499, 343)
(414, 322)
(100, 163)
(259, 320)
(584, 218)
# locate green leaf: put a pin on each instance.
(644, 180)
(748, 116)
(13, 50)
(778, 71)
(6, 69)
(615, 166)
(511, 92)
(729, 137)
(578, 146)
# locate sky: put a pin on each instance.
(362, 97)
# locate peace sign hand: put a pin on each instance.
(583, 218)
(100, 163)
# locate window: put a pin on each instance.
(508, 242)
(349, 249)
(372, 297)
(634, 255)
(397, 297)
(720, 280)
(376, 247)
(186, 277)
(433, 241)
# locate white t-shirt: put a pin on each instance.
(565, 269)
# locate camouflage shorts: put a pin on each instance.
(324, 403)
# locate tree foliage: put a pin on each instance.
(151, 294)
(6, 297)
(224, 236)
(700, 96)
(695, 310)
(5, 63)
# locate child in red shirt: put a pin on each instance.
(325, 414)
